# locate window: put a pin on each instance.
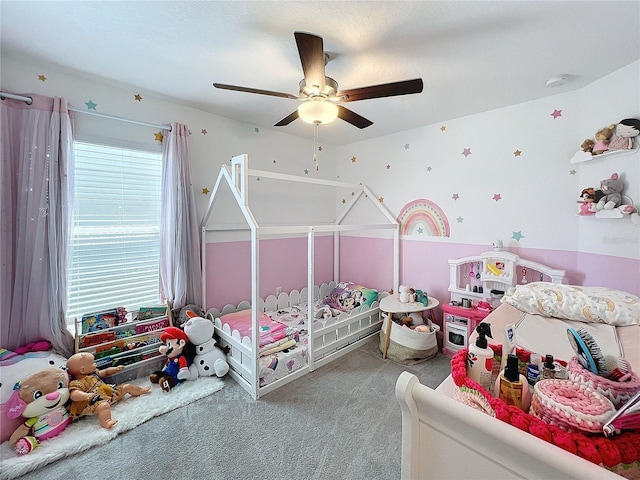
(116, 229)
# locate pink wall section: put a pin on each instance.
(282, 263)
(368, 261)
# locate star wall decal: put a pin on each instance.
(460, 219)
(572, 172)
(429, 168)
(354, 159)
(158, 136)
(381, 199)
(455, 196)
(42, 78)
(517, 235)
(497, 197)
(556, 113)
(517, 153)
(138, 97)
(388, 166)
(344, 200)
(319, 148)
(420, 230)
(443, 128)
(466, 152)
(256, 130)
(406, 146)
(90, 105)
(204, 131)
(205, 191)
(306, 172)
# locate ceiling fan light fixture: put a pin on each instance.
(318, 111)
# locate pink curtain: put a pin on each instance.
(180, 267)
(36, 169)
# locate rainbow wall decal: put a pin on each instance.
(423, 217)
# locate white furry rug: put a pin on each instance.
(87, 433)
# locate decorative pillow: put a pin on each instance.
(582, 304)
(347, 296)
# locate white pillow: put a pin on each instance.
(582, 304)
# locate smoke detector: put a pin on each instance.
(557, 81)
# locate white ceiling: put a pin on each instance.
(473, 56)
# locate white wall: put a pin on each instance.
(538, 189)
(268, 149)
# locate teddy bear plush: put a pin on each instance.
(612, 193)
(587, 145)
(209, 359)
(602, 139)
(42, 398)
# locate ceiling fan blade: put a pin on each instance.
(311, 50)
(254, 90)
(288, 119)
(353, 118)
(404, 87)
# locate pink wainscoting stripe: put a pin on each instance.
(283, 263)
(369, 261)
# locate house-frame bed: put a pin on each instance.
(325, 339)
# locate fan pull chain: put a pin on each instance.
(315, 145)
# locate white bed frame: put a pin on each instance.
(444, 439)
(338, 336)
(328, 343)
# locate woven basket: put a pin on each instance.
(620, 454)
(618, 392)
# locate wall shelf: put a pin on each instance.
(581, 156)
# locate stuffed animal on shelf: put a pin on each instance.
(602, 139)
(209, 359)
(625, 132)
(180, 352)
(90, 395)
(589, 197)
(42, 398)
(587, 145)
(612, 193)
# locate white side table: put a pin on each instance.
(391, 304)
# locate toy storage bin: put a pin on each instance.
(407, 346)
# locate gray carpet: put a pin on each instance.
(341, 421)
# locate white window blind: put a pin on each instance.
(116, 229)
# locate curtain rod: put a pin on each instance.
(29, 101)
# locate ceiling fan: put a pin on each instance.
(319, 94)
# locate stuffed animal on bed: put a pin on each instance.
(42, 398)
(180, 352)
(612, 193)
(209, 359)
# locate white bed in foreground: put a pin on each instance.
(444, 439)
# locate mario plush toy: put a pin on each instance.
(180, 353)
